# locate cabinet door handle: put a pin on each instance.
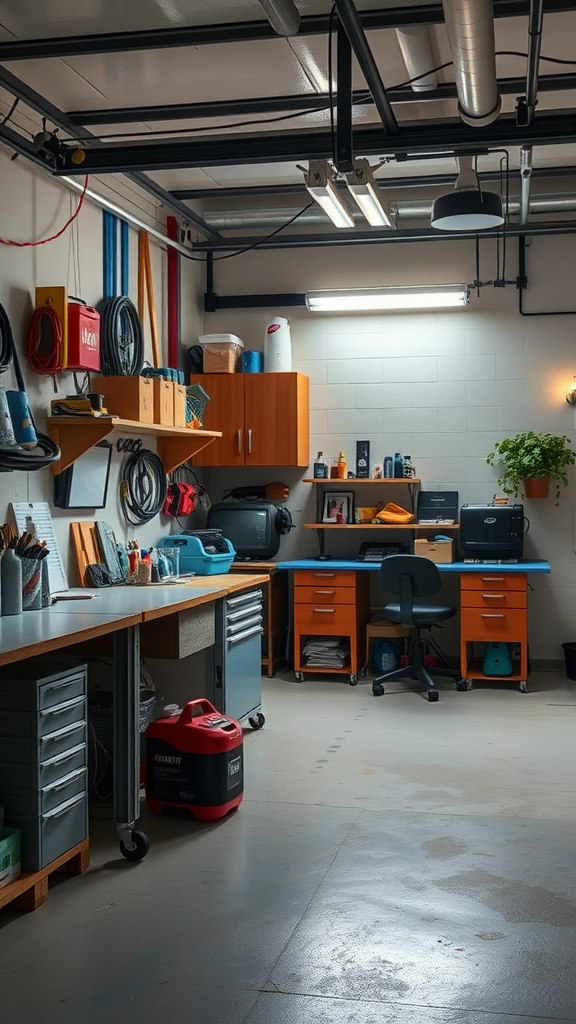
(492, 579)
(249, 442)
(494, 597)
(331, 610)
(324, 591)
(239, 442)
(492, 615)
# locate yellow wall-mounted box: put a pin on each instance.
(56, 296)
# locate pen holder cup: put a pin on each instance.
(169, 563)
(31, 584)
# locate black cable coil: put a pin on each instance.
(121, 341)
(46, 452)
(142, 486)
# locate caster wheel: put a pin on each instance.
(377, 689)
(299, 676)
(257, 721)
(433, 696)
(353, 680)
(141, 846)
(462, 685)
(523, 686)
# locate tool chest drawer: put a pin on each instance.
(28, 724)
(35, 685)
(30, 775)
(35, 802)
(35, 749)
(46, 837)
(318, 619)
(494, 599)
(324, 577)
(498, 581)
(477, 624)
(324, 594)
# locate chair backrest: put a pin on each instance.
(408, 577)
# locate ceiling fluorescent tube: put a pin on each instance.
(364, 190)
(319, 183)
(424, 297)
(283, 15)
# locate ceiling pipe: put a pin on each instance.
(470, 27)
(416, 49)
(525, 176)
(283, 16)
(535, 24)
(352, 26)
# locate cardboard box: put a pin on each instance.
(10, 867)
(179, 405)
(163, 401)
(439, 551)
(131, 398)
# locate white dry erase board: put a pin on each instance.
(38, 512)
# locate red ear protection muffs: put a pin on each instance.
(180, 500)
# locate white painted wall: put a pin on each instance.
(443, 387)
(33, 206)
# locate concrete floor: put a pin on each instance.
(393, 862)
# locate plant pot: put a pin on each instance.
(537, 487)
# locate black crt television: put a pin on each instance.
(250, 526)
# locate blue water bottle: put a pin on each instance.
(398, 466)
(388, 467)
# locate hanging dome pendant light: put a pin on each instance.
(467, 208)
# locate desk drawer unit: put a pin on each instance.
(493, 609)
(330, 603)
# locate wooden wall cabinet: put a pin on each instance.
(263, 418)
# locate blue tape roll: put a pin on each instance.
(21, 419)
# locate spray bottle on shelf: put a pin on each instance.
(342, 466)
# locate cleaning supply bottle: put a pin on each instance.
(398, 465)
(277, 346)
(409, 470)
(342, 466)
(320, 467)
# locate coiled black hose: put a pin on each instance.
(142, 486)
(121, 341)
(46, 452)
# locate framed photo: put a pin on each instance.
(338, 507)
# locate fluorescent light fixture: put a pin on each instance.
(426, 296)
(364, 189)
(319, 181)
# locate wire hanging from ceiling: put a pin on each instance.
(44, 241)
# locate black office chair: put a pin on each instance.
(410, 577)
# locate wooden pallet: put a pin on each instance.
(30, 889)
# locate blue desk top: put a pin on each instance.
(455, 567)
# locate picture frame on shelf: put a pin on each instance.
(338, 507)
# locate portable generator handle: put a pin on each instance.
(195, 708)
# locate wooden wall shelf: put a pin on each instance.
(74, 435)
(352, 481)
(435, 527)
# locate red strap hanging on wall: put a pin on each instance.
(173, 288)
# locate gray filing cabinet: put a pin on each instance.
(43, 762)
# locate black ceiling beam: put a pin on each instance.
(304, 103)
(350, 21)
(449, 135)
(249, 31)
(57, 117)
(413, 181)
(343, 150)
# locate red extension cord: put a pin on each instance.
(43, 345)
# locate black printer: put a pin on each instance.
(492, 532)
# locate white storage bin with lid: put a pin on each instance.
(221, 352)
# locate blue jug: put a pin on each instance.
(497, 660)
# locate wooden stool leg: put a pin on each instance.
(34, 897)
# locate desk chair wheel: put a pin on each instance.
(141, 846)
(463, 684)
(353, 680)
(257, 721)
(377, 689)
(433, 696)
(523, 686)
(299, 677)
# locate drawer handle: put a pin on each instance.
(58, 686)
(324, 575)
(331, 610)
(494, 597)
(492, 615)
(61, 709)
(324, 591)
(492, 579)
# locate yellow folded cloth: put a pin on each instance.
(392, 513)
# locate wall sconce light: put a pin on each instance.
(571, 396)
(374, 300)
(319, 181)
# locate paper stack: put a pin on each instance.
(326, 652)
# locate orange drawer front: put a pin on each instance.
(321, 619)
(493, 580)
(494, 599)
(478, 624)
(324, 578)
(324, 594)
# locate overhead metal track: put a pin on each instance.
(236, 32)
(386, 184)
(343, 142)
(535, 24)
(57, 117)
(350, 21)
(423, 137)
(305, 103)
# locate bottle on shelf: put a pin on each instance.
(388, 466)
(342, 466)
(334, 469)
(398, 466)
(409, 470)
(320, 467)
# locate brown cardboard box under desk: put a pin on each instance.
(131, 398)
(439, 551)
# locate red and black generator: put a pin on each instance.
(195, 762)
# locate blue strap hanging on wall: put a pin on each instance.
(110, 256)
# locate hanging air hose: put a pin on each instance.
(142, 486)
(43, 345)
(13, 457)
(121, 342)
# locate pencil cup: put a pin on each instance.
(45, 584)
(11, 583)
(31, 584)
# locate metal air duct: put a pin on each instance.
(470, 28)
(283, 16)
(416, 50)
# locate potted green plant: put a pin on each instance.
(530, 461)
